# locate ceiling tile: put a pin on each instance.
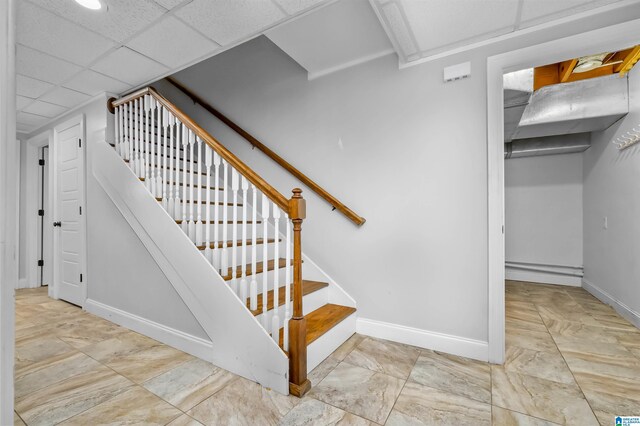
(226, 21)
(49, 33)
(31, 88)
(22, 102)
(30, 119)
(44, 67)
(45, 109)
(170, 4)
(172, 43)
(65, 97)
(92, 83)
(295, 6)
(121, 19)
(439, 24)
(129, 66)
(536, 11)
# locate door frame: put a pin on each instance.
(32, 201)
(53, 185)
(604, 39)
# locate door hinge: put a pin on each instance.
(40, 262)
(79, 143)
(41, 162)
(80, 208)
(41, 212)
(80, 277)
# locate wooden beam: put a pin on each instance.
(629, 61)
(566, 68)
(545, 75)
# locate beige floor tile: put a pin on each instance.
(394, 359)
(134, 406)
(453, 374)
(592, 357)
(190, 383)
(346, 348)
(546, 365)
(324, 368)
(52, 370)
(534, 340)
(360, 391)
(611, 398)
(184, 420)
(148, 363)
(119, 346)
(17, 421)
(422, 405)
(521, 324)
(243, 402)
(579, 331)
(70, 397)
(36, 349)
(614, 386)
(570, 312)
(503, 417)
(86, 330)
(313, 412)
(536, 397)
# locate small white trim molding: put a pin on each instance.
(188, 343)
(544, 274)
(456, 345)
(624, 310)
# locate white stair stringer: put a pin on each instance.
(240, 344)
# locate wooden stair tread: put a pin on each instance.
(238, 243)
(221, 222)
(308, 287)
(213, 203)
(322, 320)
(259, 268)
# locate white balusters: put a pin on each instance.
(163, 115)
(243, 261)
(287, 282)
(253, 287)
(275, 319)
(235, 185)
(175, 164)
(129, 135)
(116, 129)
(185, 142)
(199, 237)
(154, 152)
(136, 136)
(224, 253)
(192, 198)
(145, 141)
(216, 259)
(265, 258)
(208, 160)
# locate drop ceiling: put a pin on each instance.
(66, 54)
(420, 29)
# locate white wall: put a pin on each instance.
(412, 160)
(612, 190)
(543, 218)
(120, 272)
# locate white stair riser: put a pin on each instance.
(310, 303)
(326, 344)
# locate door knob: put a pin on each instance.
(57, 224)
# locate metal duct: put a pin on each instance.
(581, 106)
(549, 145)
(518, 87)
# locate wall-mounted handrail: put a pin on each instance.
(335, 203)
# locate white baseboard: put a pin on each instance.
(542, 277)
(455, 345)
(192, 345)
(632, 316)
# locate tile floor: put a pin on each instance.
(570, 360)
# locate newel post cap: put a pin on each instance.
(297, 205)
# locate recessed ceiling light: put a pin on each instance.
(90, 4)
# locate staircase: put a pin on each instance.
(247, 233)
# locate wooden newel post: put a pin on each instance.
(298, 382)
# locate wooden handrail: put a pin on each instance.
(335, 203)
(272, 193)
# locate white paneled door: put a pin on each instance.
(69, 203)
